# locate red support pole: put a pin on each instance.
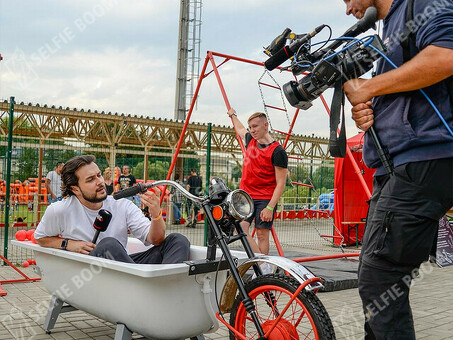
(303, 184)
(290, 129)
(325, 257)
(26, 278)
(225, 98)
(277, 242)
(2, 292)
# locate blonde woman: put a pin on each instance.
(108, 181)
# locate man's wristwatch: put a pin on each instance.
(64, 244)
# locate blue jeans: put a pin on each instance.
(53, 200)
(136, 200)
(177, 211)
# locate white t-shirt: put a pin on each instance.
(55, 183)
(72, 220)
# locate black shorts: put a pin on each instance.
(259, 206)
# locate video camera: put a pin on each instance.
(325, 65)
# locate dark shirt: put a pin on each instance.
(109, 188)
(195, 184)
(126, 181)
(405, 122)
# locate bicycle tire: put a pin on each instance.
(307, 317)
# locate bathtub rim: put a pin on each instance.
(142, 270)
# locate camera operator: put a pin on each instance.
(406, 206)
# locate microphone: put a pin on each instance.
(101, 223)
(288, 51)
(138, 188)
(368, 21)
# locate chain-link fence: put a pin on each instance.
(42, 137)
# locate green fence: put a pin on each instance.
(32, 155)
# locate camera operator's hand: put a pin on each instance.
(363, 116)
(357, 91)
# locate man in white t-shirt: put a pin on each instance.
(53, 184)
(68, 224)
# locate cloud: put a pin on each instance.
(121, 56)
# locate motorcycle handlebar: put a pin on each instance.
(141, 188)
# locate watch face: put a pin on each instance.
(64, 244)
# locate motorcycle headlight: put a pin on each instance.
(240, 204)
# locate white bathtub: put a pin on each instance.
(156, 301)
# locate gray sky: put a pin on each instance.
(120, 56)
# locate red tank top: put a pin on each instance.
(258, 173)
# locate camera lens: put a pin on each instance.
(295, 95)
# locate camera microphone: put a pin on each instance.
(368, 21)
(101, 223)
(288, 51)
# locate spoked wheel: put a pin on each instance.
(306, 317)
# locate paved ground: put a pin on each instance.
(22, 311)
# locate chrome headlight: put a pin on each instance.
(240, 204)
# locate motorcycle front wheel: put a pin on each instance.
(306, 317)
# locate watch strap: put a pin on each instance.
(64, 244)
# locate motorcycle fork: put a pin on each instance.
(215, 236)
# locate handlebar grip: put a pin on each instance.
(139, 188)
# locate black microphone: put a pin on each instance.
(368, 21)
(136, 189)
(288, 51)
(101, 223)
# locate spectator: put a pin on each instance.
(177, 198)
(194, 185)
(53, 184)
(127, 180)
(108, 181)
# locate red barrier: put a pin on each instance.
(291, 214)
(300, 214)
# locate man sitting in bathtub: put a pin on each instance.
(68, 224)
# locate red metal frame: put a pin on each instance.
(2, 292)
(210, 58)
(25, 279)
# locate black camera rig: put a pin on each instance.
(329, 68)
(354, 61)
(326, 66)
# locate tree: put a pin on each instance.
(157, 170)
(323, 177)
(27, 163)
(299, 174)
